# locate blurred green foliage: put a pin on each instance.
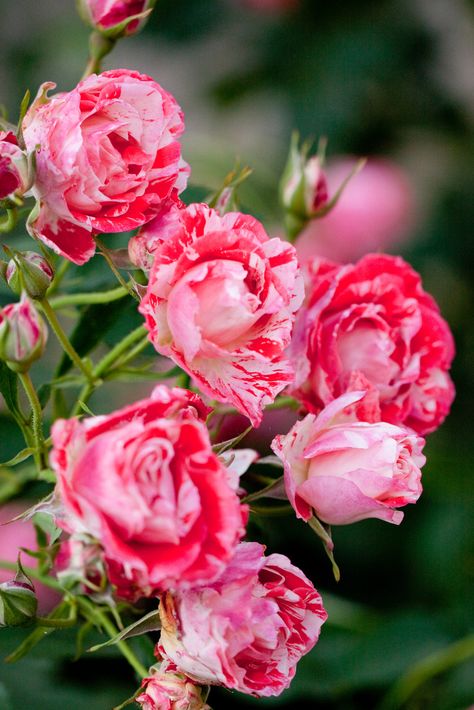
(377, 77)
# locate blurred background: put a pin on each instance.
(389, 79)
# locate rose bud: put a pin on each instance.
(115, 18)
(303, 189)
(344, 470)
(34, 274)
(375, 212)
(165, 689)
(23, 334)
(14, 172)
(18, 603)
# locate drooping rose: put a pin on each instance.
(166, 689)
(145, 483)
(221, 301)
(108, 157)
(247, 630)
(345, 470)
(14, 172)
(115, 18)
(375, 212)
(371, 323)
(23, 334)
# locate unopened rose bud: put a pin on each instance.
(29, 272)
(23, 334)
(14, 170)
(167, 689)
(303, 189)
(18, 603)
(115, 18)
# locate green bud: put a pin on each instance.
(29, 272)
(18, 602)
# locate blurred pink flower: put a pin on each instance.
(375, 212)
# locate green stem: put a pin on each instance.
(132, 354)
(99, 47)
(10, 220)
(83, 299)
(36, 418)
(112, 631)
(106, 254)
(60, 274)
(64, 340)
(107, 361)
(434, 664)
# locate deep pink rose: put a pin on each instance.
(166, 689)
(13, 166)
(345, 470)
(374, 212)
(221, 301)
(371, 325)
(110, 16)
(247, 630)
(145, 483)
(108, 157)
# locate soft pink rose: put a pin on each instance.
(145, 483)
(23, 334)
(110, 16)
(345, 470)
(221, 301)
(371, 325)
(165, 689)
(109, 156)
(247, 630)
(374, 212)
(14, 178)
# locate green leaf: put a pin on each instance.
(9, 389)
(44, 393)
(45, 522)
(19, 458)
(149, 622)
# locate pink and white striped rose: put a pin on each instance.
(247, 630)
(221, 301)
(108, 157)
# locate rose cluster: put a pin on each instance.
(148, 503)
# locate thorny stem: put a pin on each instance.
(36, 418)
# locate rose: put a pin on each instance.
(221, 301)
(145, 483)
(248, 629)
(108, 157)
(371, 323)
(375, 211)
(14, 173)
(23, 334)
(345, 470)
(115, 17)
(165, 689)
